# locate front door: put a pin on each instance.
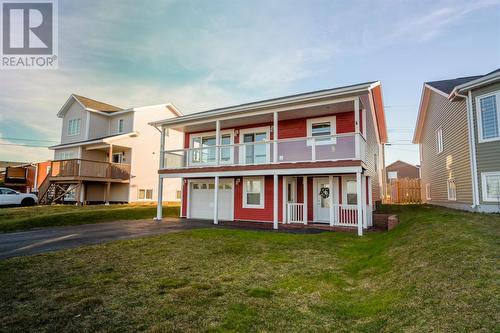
(322, 193)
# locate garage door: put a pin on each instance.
(201, 201)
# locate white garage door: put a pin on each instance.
(201, 200)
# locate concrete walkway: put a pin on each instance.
(57, 238)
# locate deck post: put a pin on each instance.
(78, 195)
(370, 200)
(216, 200)
(275, 137)
(330, 185)
(363, 199)
(159, 204)
(359, 203)
(284, 198)
(304, 189)
(217, 142)
(275, 201)
(107, 193)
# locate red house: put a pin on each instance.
(311, 158)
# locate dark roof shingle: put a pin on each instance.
(447, 86)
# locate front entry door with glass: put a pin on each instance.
(322, 193)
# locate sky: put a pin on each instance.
(205, 54)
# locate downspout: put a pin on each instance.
(472, 146)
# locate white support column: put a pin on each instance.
(370, 200)
(359, 201)
(159, 204)
(162, 147)
(275, 137)
(275, 201)
(313, 149)
(357, 139)
(304, 190)
(330, 184)
(284, 198)
(363, 199)
(217, 142)
(216, 200)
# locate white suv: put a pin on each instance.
(11, 197)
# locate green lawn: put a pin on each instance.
(437, 272)
(22, 218)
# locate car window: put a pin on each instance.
(7, 191)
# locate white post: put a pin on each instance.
(216, 200)
(275, 202)
(360, 210)
(363, 199)
(313, 149)
(159, 206)
(217, 141)
(370, 200)
(357, 141)
(330, 184)
(304, 190)
(275, 137)
(285, 198)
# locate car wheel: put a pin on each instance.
(27, 202)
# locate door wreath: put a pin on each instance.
(324, 192)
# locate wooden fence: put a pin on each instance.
(404, 191)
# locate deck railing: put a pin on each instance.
(295, 213)
(89, 168)
(348, 146)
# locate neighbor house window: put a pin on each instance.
(351, 194)
(145, 194)
(488, 117)
(253, 192)
(118, 158)
(491, 186)
(428, 191)
(121, 123)
(392, 174)
(178, 194)
(439, 140)
(65, 155)
(74, 126)
(321, 129)
(452, 190)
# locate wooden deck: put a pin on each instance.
(88, 170)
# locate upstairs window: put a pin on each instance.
(439, 140)
(121, 123)
(321, 129)
(452, 190)
(74, 126)
(488, 117)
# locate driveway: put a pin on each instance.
(57, 238)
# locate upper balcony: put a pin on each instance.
(340, 147)
(79, 169)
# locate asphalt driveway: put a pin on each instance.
(50, 239)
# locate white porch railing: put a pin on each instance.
(345, 215)
(295, 213)
(347, 146)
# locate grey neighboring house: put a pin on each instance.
(458, 130)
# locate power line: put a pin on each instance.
(22, 145)
(23, 139)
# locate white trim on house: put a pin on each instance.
(480, 119)
(77, 124)
(472, 146)
(262, 181)
(333, 130)
(439, 140)
(428, 191)
(451, 188)
(102, 140)
(484, 183)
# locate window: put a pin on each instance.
(121, 123)
(7, 191)
(439, 140)
(491, 186)
(145, 194)
(452, 190)
(74, 126)
(118, 158)
(253, 192)
(65, 155)
(178, 194)
(70, 196)
(428, 191)
(256, 148)
(488, 117)
(205, 152)
(321, 127)
(392, 174)
(350, 190)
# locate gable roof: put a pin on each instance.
(402, 162)
(447, 86)
(96, 105)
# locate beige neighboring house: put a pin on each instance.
(106, 154)
(458, 130)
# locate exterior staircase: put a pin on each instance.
(51, 191)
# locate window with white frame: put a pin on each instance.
(204, 148)
(321, 129)
(392, 175)
(428, 191)
(488, 117)
(253, 192)
(178, 194)
(439, 140)
(256, 149)
(350, 192)
(121, 124)
(452, 189)
(145, 194)
(74, 126)
(118, 158)
(491, 186)
(65, 155)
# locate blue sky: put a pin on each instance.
(203, 54)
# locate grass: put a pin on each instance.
(436, 272)
(23, 218)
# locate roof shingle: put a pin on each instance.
(96, 105)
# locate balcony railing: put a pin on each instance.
(349, 146)
(90, 169)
